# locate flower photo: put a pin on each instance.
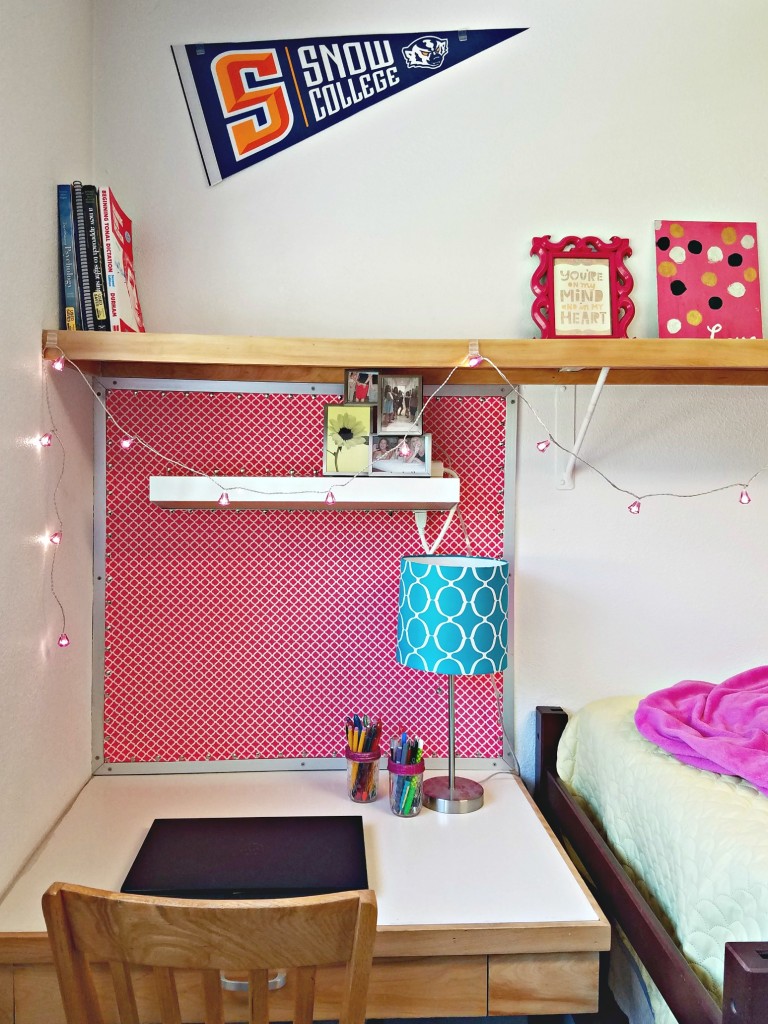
(347, 429)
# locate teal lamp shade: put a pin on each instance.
(453, 615)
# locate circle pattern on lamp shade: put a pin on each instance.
(453, 614)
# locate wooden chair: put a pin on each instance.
(88, 926)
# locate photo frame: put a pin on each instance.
(346, 433)
(581, 287)
(400, 404)
(387, 458)
(361, 387)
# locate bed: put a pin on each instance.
(678, 858)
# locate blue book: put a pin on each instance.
(70, 300)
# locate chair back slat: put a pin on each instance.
(240, 936)
(258, 996)
(213, 997)
(359, 966)
(304, 1003)
(167, 996)
(78, 993)
(124, 993)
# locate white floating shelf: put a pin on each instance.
(421, 493)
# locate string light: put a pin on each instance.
(45, 441)
(473, 358)
(543, 445)
(404, 449)
(305, 492)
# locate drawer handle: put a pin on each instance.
(278, 980)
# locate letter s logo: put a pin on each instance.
(238, 75)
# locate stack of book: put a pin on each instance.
(98, 282)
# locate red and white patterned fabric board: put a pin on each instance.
(252, 634)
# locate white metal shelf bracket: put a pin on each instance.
(565, 415)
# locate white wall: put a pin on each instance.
(415, 218)
(45, 114)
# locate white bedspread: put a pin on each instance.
(694, 841)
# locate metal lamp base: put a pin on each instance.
(460, 798)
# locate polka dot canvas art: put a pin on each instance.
(707, 279)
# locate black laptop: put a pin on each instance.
(249, 858)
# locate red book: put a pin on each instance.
(123, 299)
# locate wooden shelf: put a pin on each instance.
(291, 492)
(242, 357)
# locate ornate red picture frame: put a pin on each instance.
(581, 287)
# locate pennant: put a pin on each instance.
(248, 101)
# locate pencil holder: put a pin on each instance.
(405, 788)
(363, 775)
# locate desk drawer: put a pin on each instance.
(548, 983)
(404, 987)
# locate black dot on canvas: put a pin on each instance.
(694, 247)
(715, 302)
(735, 259)
(662, 243)
(677, 287)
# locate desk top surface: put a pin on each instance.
(496, 866)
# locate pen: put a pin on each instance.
(408, 795)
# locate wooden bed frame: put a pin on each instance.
(745, 989)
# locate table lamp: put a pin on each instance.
(452, 619)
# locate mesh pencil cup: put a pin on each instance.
(405, 788)
(362, 775)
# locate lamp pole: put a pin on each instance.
(451, 737)
(452, 795)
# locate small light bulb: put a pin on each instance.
(404, 449)
(45, 440)
(475, 360)
(126, 442)
(542, 445)
(63, 640)
(224, 500)
(634, 508)
(55, 538)
(744, 497)
(330, 498)
(58, 364)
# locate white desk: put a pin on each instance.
(478, 913)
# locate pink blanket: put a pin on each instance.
(720, 728)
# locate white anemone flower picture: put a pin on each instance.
(347, 429)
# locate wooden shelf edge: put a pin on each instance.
(181, 350)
